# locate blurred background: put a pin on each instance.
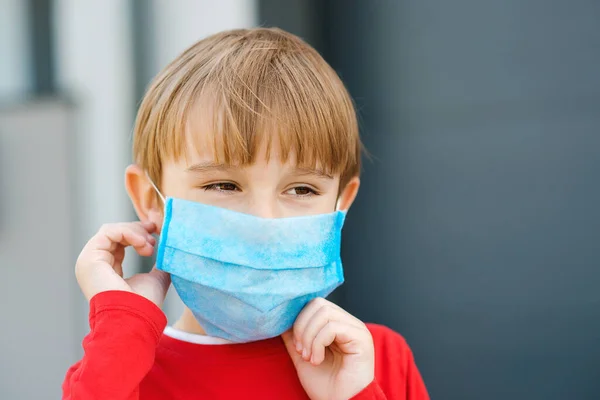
(476, 231)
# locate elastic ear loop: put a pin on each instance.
(155, 188)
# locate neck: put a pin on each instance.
(187, 323)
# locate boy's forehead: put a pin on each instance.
(200, 157)
(203, 144)
(203, 158)
(207, 141)
(217, 134)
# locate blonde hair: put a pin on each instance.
(259, 84)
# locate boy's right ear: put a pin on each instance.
(143, 196)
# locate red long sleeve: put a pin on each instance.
(119, 350)
(396, 374)
(371, 392)
(128, 358)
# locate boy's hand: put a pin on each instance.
(99, 266)
(332, 350)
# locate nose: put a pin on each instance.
(264, 207)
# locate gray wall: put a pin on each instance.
(475, 234)
(39, 299)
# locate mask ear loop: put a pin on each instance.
(155, 188)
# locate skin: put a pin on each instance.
(331, 349)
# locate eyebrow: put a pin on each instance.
(207, 166)
(211, 166)
(310, 171)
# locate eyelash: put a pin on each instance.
(215, 186)
(311, 192)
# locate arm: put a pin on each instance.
(396, 374)
(371, 392)
(339, 357)
(125, 317)
(415, 387)
(119, 350)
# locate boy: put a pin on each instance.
(254, 139)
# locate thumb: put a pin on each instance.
(163, 278)
(288, 340)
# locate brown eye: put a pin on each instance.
(302, 191)
(226, 187)
(221, 187)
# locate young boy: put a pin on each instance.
(253, 140)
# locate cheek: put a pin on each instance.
(330, 201)
(323, 204)
(212, 198)
(174, 181)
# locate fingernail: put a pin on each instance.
(305, 354)
(312, 359)
(298, 347)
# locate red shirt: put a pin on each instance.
(127, 357)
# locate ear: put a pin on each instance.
(347, 196)
(144, 198)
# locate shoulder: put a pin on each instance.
(384, 337)
(395, 368)
(390, 347)
(392, 353)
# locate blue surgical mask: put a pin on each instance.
(247, 278)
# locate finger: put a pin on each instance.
(152, 240)
(118, 257)
(110, 238)
(146, 251)
(352, 319)
(288, 340)
(304, 317)
(318, 320)
(346, 337)
(327, 313)
(121, 234)
(149, 226)
(303, 340)
(143, 228)
(132, 235)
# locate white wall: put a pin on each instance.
(180, 23)
(95, 67)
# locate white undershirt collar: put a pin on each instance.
(192, 337)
